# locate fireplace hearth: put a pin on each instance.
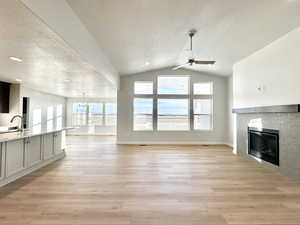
(264, 144)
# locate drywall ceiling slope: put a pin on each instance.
(60, 17)
(135, 32)
(49, 64)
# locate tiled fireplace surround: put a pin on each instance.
(288, 124)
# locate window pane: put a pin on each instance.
(143, 109)
(203, 89)
(37, 117)
(173, 85)
(202, 114)
(143, 88)
(95, 114)
(79, 114)
(50, 113)
(173, 114)
(202, 122)
(110, 114)
(58, 110)
(50, 124)
(59, 122)
(79, 108)
(202, 106)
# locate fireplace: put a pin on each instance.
(264, 144)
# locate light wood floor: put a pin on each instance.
(105, 184)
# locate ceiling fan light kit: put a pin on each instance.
(191, 61)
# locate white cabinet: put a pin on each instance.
(15, 157)
(48, 146)
(33, 150)
(2, 160)
(58, 143)
(27, 154)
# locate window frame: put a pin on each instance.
(190, 96)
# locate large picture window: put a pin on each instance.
(173, 114)
(172, 103)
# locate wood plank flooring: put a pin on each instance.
(100, 183)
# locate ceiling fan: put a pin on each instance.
(191, 61)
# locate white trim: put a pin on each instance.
(171, 143)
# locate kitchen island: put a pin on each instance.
(24, 152)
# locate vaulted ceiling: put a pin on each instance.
(71, 47)
(136, 33)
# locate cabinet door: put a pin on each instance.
(33, 150)
(15, 160)
(58, 143)
(48, 146)
(2, 161)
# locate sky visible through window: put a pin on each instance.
(173, 107)
(173, 85)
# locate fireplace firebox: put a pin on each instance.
(264, 144)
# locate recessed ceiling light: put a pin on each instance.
(18, 80)
(16, 59)
(147, 63)
(67, 80)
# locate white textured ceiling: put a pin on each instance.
(47, 60)
(134, 32)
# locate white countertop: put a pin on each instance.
(4, 137)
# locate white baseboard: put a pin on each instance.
(170, 143)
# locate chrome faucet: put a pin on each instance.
(22, 121)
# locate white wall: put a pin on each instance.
(40, 100)
(37, 100)
(125, 133)
(274, 69)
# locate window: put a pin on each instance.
(143, 106)
(173, 85)
(203, 89)
(143, 88)
(79, 117)
(110, 114)
(37, 120)
(95, 116)
(173, 114)
(50, 118)
(202, 114)
(59, 116)
(143, 110)
(203, 106)
(172, 104)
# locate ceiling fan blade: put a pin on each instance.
(183, 65)
(200, 62)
